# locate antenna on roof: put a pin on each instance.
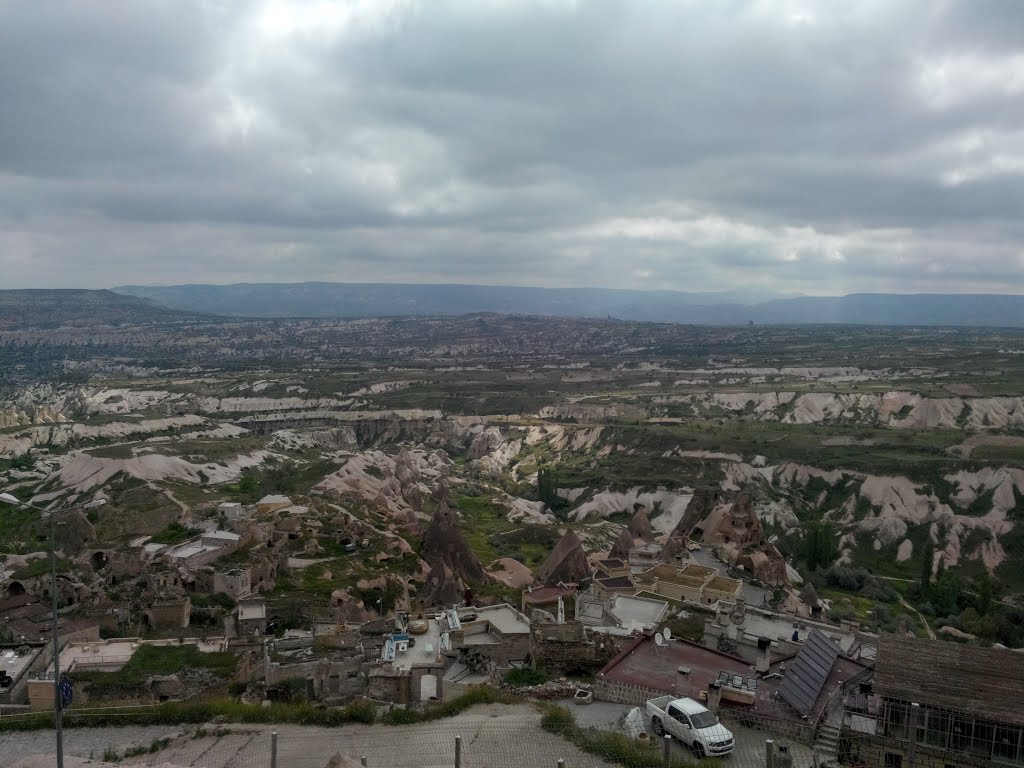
(667, 633)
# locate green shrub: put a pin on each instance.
(227, 710)
(361, 712)
(401, 717)
(520, 677)
(557, 719)
(610, 746)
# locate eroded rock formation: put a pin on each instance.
(453, 565)
(737, 531)
(567, 562)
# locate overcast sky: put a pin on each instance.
(815, 147)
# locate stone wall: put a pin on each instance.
(558, 656)
(623, 693)
(236, 582)
(170, 615)
(329, 677)
(773, 727)
(389, 685)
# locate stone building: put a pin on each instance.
(169, 614)
(236, 582)
(936, 704)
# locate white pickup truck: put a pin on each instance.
(692, 723)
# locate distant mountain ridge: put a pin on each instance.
(55, 307)
(318, 299)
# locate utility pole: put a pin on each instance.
(58, 698)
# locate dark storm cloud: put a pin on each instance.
(694, 145)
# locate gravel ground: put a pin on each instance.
(493, 736)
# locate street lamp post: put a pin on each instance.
(58, 704)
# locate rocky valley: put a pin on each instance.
(354, 469)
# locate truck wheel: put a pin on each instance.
(659, 729)
(698, 750)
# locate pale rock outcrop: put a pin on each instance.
(905, 551)
(485, 442)
(511, 573)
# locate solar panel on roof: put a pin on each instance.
(810, 669)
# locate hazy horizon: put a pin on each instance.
(774, 147)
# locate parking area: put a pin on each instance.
(750, 743)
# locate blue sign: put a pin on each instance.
(67, 694)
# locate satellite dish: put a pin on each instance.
(659, 640)
(668, 634)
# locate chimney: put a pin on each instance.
(682, 681)
(714, 697)
(764, 655)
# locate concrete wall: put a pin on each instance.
(18, 693)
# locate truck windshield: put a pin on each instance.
(703, 719)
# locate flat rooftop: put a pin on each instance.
(638, 609)
(778, 626)
(222, 536)
(424, 648)
(546, 594)
(647, 665)
(14, 664)
(252, 611)
(504, 618)
(723, 584)
(109, 655)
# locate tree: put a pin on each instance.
(945, 591)
(547, 487)
(986, 590)
(927, 558)
(819, 546)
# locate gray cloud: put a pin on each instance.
(780, 145)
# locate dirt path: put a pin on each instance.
(912, 609)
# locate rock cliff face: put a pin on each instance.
(566, 563)
(485, 442)
(453, 565)
(898, 409)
